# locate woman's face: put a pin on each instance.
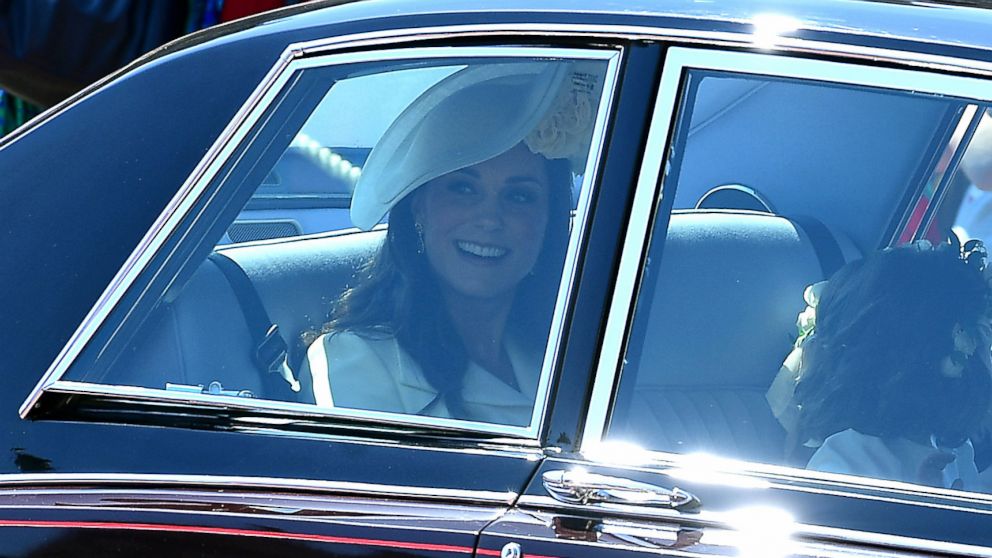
(484, 225)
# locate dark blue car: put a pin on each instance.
(506, 278)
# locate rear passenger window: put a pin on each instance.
(736, 347)
(463, 178)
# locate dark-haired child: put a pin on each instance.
(896, 377)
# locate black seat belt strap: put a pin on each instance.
(827, 249)
(271, 354)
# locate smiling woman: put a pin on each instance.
(452, 315)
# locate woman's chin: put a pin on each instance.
(483, 286)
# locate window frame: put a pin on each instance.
(248, 120)
(648, 203)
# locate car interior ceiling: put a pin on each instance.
(811, 149)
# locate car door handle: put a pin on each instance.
(581, 487)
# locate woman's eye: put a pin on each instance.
(522, 195)
(460, 187)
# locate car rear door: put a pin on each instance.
(762, 174)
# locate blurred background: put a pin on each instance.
(49, 49)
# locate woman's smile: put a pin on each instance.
(486, 252)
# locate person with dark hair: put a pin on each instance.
(451, 316)
(895, 377)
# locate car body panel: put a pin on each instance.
(121, 521)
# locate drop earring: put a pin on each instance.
(420, 237)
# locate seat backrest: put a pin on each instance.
(714, 330)
(202, 335)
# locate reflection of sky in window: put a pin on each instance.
(357, 111)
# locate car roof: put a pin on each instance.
(961, 23)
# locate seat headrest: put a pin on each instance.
(724, 307)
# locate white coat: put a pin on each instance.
(355, 372)
(899, 459)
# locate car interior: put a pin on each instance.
(720, 295)
(720, 320)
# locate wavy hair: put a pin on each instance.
(397, 295)
(883, 327)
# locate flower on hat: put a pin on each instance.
(565, 131)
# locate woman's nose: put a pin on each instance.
(489, 214)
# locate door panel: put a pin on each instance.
(229, 522)
(736, 514)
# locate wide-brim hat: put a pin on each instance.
(468, 117)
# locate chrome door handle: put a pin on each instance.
(580, 487)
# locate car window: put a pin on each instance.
(959, 203)
(463, 178)
(309, 188)
(740, 348)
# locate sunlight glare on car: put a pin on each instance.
(618, 453)
(769, 28)
(710, 469)
(765, 532)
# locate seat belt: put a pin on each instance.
(271, 354)
(826, 247)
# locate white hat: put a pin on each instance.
(469, 117)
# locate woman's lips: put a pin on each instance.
(485, 251)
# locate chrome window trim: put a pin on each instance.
(964, 129)
(963, 135)
(575, 240)
(636, 242)
(784, 44)
(278, 79)
(761, 476)
(124, 480)
(803, 533)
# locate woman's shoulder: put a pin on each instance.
(341, 343)
(361, 371)
(374, 353)
(854, 453)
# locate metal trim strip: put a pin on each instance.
(300, 411)
(24, 480)
(207, 530)
(764, 476)
(802, 531)
(783, 44)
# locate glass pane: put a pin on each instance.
(967, 204)
(461, 176)
(739, 348)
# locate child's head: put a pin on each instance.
(901, 347)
